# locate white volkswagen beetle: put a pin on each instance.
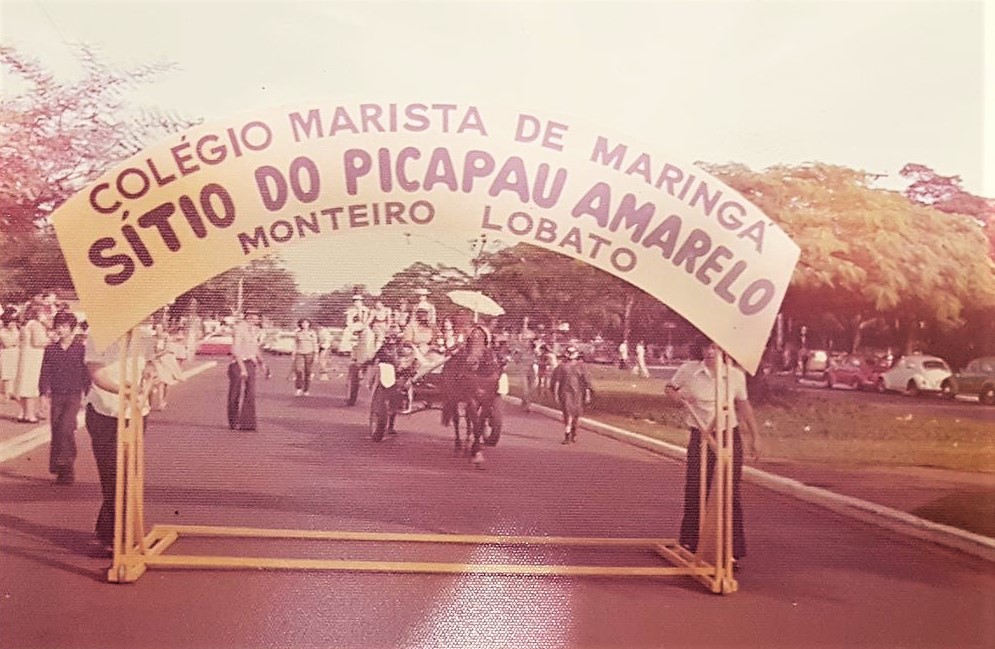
(916, 374)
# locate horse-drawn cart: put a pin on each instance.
(435, 385)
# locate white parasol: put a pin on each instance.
(477, 302)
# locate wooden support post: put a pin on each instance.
(135, 550)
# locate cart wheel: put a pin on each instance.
(495, 423)
(379, 415)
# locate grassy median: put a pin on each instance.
(826, 428)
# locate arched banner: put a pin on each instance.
(220, 194)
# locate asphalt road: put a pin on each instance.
(812, 578)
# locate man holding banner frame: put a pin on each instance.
(103, 403)
(694, 386)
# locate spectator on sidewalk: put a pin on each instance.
(10, 350)
(102, 404)
(623, 354)
(64, 380)
(693, 386)
(34, 340)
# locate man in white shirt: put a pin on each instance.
(101, 422)
(694, 387)
(246, 360)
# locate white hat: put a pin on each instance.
(357, 297)
(421, 291)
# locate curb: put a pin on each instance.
(39, 435)
(868, 512)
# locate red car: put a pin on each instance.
(215, 345)
(855, 371)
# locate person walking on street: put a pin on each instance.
(623, 354)
(640, 368)
(572, 388)
(64, 379)
(305, 350)
(324, 349)
(102, 402)
(246, 361)
(693, 386)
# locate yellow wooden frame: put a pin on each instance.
(135, 551)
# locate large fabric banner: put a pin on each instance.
(218, 195)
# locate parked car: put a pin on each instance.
(604, 353)
(282, 342)
(813, 363)
(917, 373)
(978, 377)
(215, 345)
(857, 371)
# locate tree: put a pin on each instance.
(34, 265)
(265, 285)
(439, 279)
(870, 255)
(945, 193)
(56, 137)
(550, 288)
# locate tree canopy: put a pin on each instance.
(55, 137)
(870, 253)
(58, 135)
(265, 285)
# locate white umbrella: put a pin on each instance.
(476, 302)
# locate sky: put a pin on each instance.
(870, 85)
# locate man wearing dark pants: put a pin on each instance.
(101, 422)
(693, 385)
(242, 373)
(64, 379)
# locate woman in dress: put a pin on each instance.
(10, 343)
(34, 339)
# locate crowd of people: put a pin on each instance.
(48, 368)
(43, 368)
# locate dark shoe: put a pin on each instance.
(65, 478)
(247, 428)
(566, 440)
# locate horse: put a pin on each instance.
(469, 385)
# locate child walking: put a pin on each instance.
(573, 390)
(65, 380)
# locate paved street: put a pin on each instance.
(812, 578)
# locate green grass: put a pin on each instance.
(801, 425)
(972, 511)
(828, 429)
